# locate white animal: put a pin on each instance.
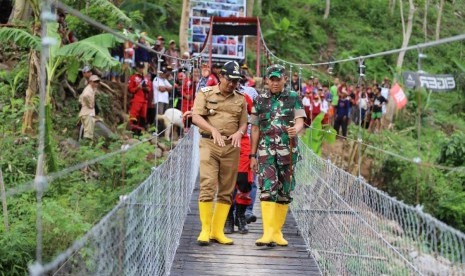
(171, 117)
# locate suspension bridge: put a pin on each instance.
(340, 225)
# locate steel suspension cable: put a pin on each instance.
(378, 54)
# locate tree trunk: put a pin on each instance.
(31, 91)
(392, 6)
(21, 11)
(438, 22)
(184, 26)
(259, 8)
(425, 20)
(5, 207)
(249, 7)
(406, 31)
(250, 41)
(328, 5)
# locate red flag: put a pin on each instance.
(399, 96)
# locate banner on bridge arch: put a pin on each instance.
(223, 46)
(438, 83)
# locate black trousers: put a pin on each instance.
(341, 121)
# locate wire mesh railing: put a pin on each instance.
(351, 228)
(141, 234)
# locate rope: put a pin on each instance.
(378, 54)
(414, 160)
(107, 29)
(40, 180)
(47, 180)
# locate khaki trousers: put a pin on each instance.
(88, 122)
(218, 171)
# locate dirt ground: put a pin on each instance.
(344, 154)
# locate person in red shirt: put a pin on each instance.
(140, 87)
(213, 78)
(244, 182)
(188, 95)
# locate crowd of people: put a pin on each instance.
(343, 102)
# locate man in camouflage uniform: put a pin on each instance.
(220, 112)
(277, 116)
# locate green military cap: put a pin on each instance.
(275, 70)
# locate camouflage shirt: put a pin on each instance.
(273, 114)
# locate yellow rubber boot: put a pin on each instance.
(219, 218)
(206, 213)
(268, 217)
(281, 213)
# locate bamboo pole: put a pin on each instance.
(5, 207)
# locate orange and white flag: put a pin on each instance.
(399, 96)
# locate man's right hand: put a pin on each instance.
(218, 138)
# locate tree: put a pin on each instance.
(258, 7)
(392, 6)
(425, 20)
(184, 26)
(438, 22)
(21, 11)
(406, 31)
(249, 7)
(328, 4)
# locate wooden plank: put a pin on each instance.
(244, 257)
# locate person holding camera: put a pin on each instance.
(162, 89)
(140, 86)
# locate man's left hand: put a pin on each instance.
(292, 131)
(236, 139)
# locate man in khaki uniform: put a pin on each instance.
(87, 113)
(220, 112)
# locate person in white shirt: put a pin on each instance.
(161, 90)
(307, 103)
(363, 105)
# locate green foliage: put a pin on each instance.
(453, 151)
(155, 14)
(19, 37)
(104, 12)
(448, 203)
(12, 83)
(72, 204)
(17, 248)
(15, 169)
(318, 133)
(93, 50)
(62, 225)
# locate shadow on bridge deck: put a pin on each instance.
(242, 258)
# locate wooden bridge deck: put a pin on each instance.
(242, 258)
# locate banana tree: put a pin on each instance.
(93, 50)
(317, 134)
